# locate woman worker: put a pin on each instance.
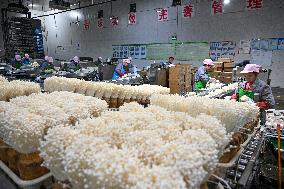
(17, 63)
(74, 64)
(26, 60)
(254, 85)
(119, 70)
(48, 65)
(202, 76)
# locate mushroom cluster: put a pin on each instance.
(136, 147)
(9, 90)
(103, 89)
(233, 115)
(24, 120)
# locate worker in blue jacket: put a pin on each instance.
(202, 76)
(119, 70)
(26, 60)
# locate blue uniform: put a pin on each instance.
(26, 61)
(201, 78)
(118, 69)
(201, 74)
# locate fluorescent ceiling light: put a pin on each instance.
(33, 5)
(226, 2)
(75, 14)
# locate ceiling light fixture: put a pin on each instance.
(226, 2)
(33, 5)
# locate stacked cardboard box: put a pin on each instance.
(188, 77)
(227, 64)
(223, 69)
(162, 77)
(180, 78)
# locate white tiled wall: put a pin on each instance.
(235, 24)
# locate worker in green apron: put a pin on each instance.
(74, 64)
(47, 66)
(254, 85)
(17, 63)
(202, 76)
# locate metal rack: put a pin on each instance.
(21, 34)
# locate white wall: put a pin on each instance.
(235, 24)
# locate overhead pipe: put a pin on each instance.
(67, 10)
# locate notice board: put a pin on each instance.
(188, 51)
(222, 49)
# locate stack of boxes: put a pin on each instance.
(180, 78)
(223, 70)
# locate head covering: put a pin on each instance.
(50, 59)
(250, 68)
(27, 55)
(18, 57)
(76, 59)
(171, 57)
(126, 60)
(46, 58)
(208, 62)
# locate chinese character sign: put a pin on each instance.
(254, 4)
(132, 18)
(86, 24)
(163, 14)
(114, 21)
(100, 23)
(187, 11)
(217, 7)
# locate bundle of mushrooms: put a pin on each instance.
(102, 89)
(24, 120)
(232, 114)
(222, 90)
(16, 88)
(3, 79)
(136, 147)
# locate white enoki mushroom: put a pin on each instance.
(24, 120)
(16, 88)
(136, 147)
(102, 89)
(3, 79)
(219, 90)
(232, 114)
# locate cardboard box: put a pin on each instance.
(226, 74)
(218, 66)
(224, 60)
(225, 80)
(229, 65)
(162, 78)
(228, 70)
(218, 63)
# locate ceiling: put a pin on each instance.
(44, 4)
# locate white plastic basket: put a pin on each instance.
(45, 180)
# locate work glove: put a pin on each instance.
(262, 105)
